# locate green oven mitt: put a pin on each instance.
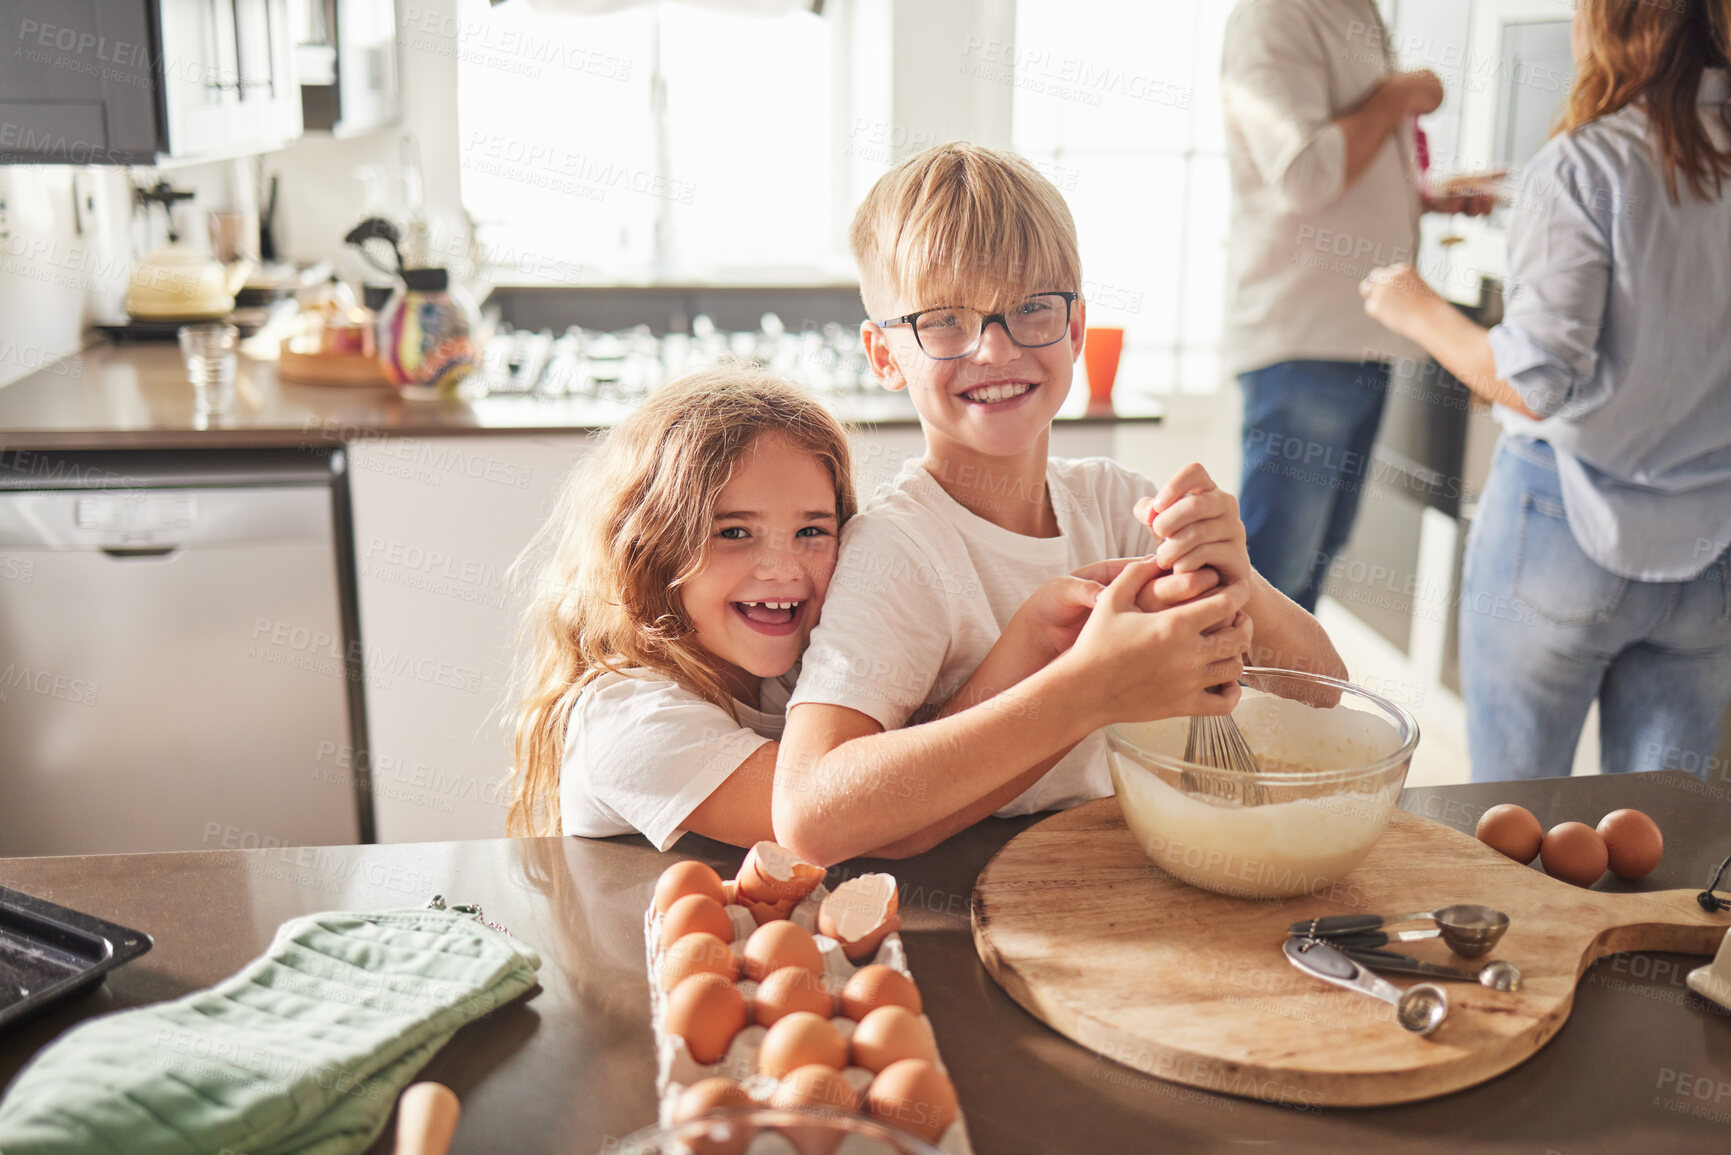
(304, 1050)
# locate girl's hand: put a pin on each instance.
(1396, 297)
(1198, 526)
(1141, 666)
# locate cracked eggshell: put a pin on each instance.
(772, 875)
(860, 913)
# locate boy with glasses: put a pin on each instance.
(969, 255)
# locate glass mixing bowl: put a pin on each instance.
(1334, 759)
(770, 1131)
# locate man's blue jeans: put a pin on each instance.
(1308, 431)
(1544, 631)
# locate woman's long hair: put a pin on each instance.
(1654, 51)
(631, 529)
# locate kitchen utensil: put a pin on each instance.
(426, 1119)
(50, 953)
(1470, 930)
(1071, 919)
(1334, 758)
(1497, 974)
(1419, 1009)
(1216, 742)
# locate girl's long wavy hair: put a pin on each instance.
(631, 529)
(1654, 51)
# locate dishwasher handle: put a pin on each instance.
(140, 553)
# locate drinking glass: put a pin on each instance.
(210, 365)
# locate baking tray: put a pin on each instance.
(49, 953)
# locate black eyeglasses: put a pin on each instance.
(953, 331)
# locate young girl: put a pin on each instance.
(689, 560)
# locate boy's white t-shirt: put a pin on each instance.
(923, 588)
(643, 752)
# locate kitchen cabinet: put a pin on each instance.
(347, 66)
(117, 82)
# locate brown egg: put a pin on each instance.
(1511, 830)
(1574, 852)
(891, 1034)
(1633, 842)
(915, 1096)
(859, 914)
(799, 1040)
(706, 1010)
(697, 953)
(781, 944)
(683, 878)
(877, 986)
(714, 1094)
(815, 1085)
(789, 990)
(771, 873)
(695, 912)
(819, 1089)
(767, 912)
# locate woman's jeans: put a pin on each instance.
(1544, 631)
(1308, 431)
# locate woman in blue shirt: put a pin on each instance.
(1597, 565)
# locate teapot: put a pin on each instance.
(177, 282)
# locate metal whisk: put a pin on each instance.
(1216, 741)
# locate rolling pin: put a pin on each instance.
(426, 1119)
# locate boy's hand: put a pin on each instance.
(1198, 526)
(1056, 612)
(1142, 666)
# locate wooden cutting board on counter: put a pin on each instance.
(1075, 923)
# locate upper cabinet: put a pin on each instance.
(346, 57)
(140, 82)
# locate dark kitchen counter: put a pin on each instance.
(137, 397)
(571, 1069)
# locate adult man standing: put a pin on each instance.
(1325, 187)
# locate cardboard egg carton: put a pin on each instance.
(676, 1069)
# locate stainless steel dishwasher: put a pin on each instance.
(179, 666)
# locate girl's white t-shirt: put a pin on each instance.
(643, 752)
(924, 587)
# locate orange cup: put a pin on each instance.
(1100, 352)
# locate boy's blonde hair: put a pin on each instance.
(961, 224)
(631, 529)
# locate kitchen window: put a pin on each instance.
(563, 154)
(1118, 101)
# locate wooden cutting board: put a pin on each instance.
(1076, 924)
